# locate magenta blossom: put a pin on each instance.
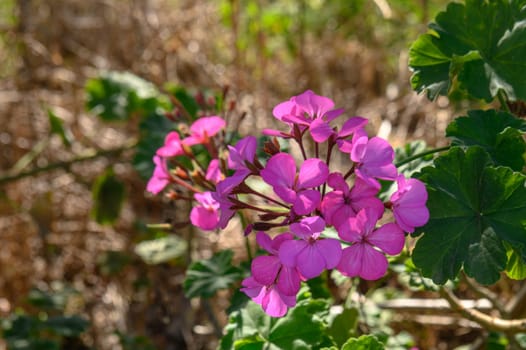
(409, 204)
(271, 299)
(160, 177)
(272, 285)
(342, 203)
(365, 257)
(242, 153)
(206, 214)
(204, 128)
(213, 173)
(310, 254)
(280, 173)
(373, 157)
(321, 131)
(302, 110)
(172, 146)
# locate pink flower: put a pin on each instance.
(242, 153)
(273, 302)
(272, 285)
(160, 177)
(310, 254)
(374, 158)
(343, 202)
(206, 214)
(204, 128)
(172, 146)
(302, 110)
(280, 173)
(213, 173)
(409, 204)
(365, 257)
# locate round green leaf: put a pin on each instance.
(480, 43)
(474, 207)
(499, 133)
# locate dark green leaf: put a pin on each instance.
(112, 262)
(57, 127)
(497, 132)
(108, 197)
(153, 130)
(116, 96)
(364, 342)
(67, 326)
(480, 43)
(302, 328)
(343, 325)
(204, 278)
(160, 250)
(474, 207)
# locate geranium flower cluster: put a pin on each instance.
(303, 199)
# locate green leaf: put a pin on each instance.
(187, 101)
(497, 132)
(67, 326)
(111, 262)
(115, 96)
(153, 130)
(364, 342)
(57, 127)
(516, 266)
(204, 278)
(302, 328)
(161, 250)
(343, 325)
(480, 43)
(474, 207)
(108, 197)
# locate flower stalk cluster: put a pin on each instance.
(302, 199)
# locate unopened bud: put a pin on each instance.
(180, 173)
(272, 147)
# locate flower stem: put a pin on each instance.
(502, 99)
(421, 155)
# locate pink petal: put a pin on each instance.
(204, 218)
(314, 105)
(244, 150)
(341, 214)
(390, 238)
(306, 202)
(286, 193)
(253, 289)
(289, 250)
(331, 250)
(288, 281)
(280, 170)
(279, 239)
(351, 126)
(313, 172)
(213, 173)
(308, 227)
(359, 147)
(408, 218)
(283, 109)
(156, 185)
(310, 262)
(320, 130)
(331, 115)
(273, 303)
(332, 203)
(364, 261)
(172, 146)
(264, 241)
(336, 181)
(265, 269)
(209, 125)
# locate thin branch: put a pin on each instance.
(486, 321)
(488, 294)
(65, 164)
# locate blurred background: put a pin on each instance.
(57, 257)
